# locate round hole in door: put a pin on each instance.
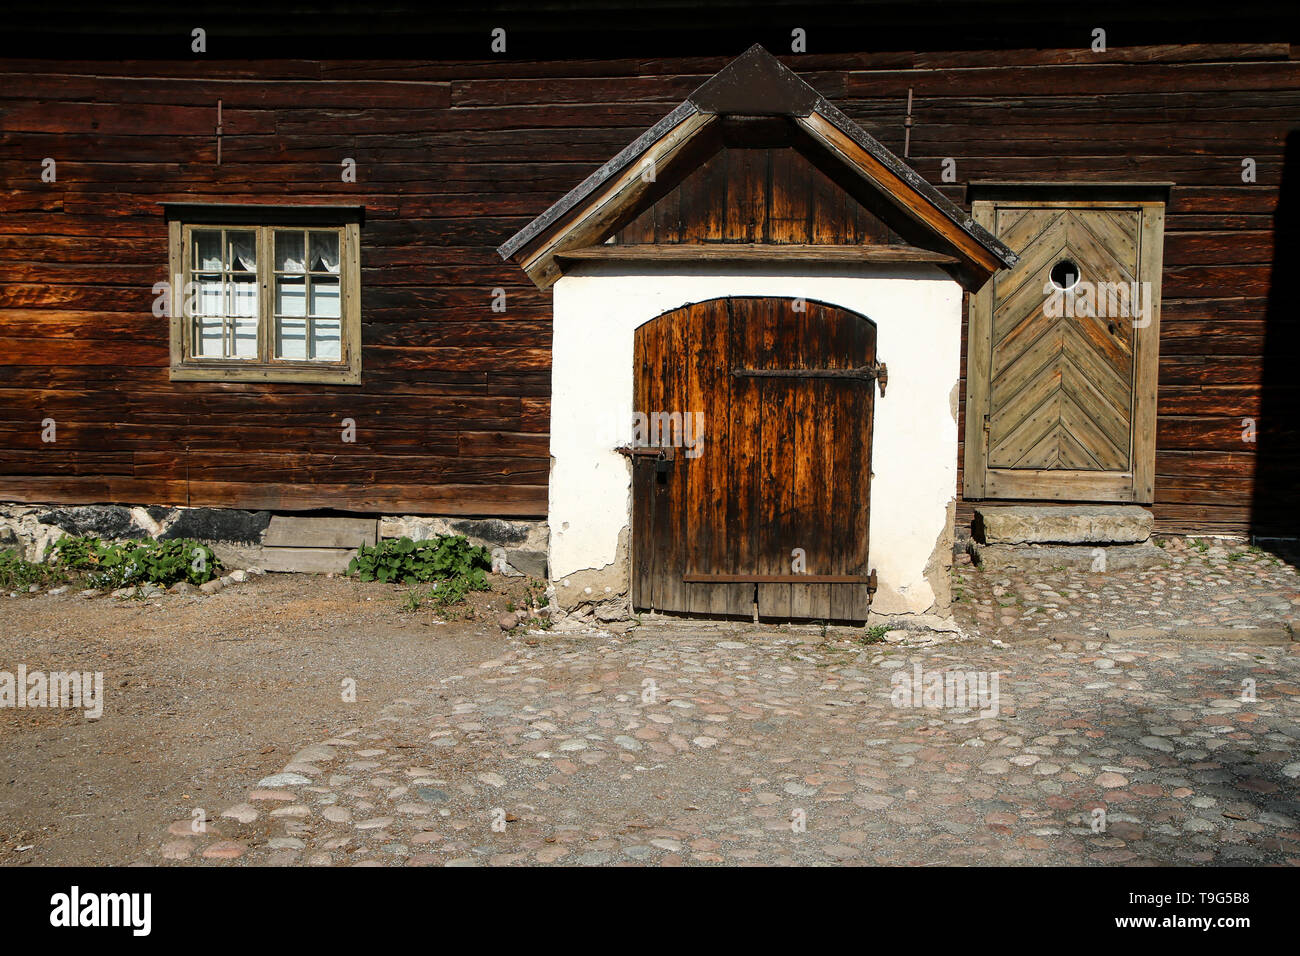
(1065, 275)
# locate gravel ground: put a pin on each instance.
(201, 694)
(672, 743)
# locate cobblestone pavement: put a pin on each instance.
(683, 744)
(1207, 583)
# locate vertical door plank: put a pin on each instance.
(808, 525)
(777, 453)
(744, 480)
(643, 498)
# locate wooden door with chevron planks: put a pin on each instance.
(1061, 383)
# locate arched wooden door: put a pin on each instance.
(753, 480)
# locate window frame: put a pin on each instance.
(183, 220)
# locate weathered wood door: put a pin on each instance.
(1061, 382)
(765, 495)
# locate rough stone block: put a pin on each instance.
(531, 563)
(101, 521)
(1062, 524)
(490, 533)
(1038, 557)
(218, 524)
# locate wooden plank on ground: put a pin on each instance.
(306, 532)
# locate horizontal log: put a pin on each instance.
(521, 501)
(235, 94)
(1077, 79)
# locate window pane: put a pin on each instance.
(228, 271)
(246, 338)
(242, 254)
(324, 252)
(243, 298)
(325, 297)
(288, 251)
(291, 338)
(207, 250)
(207, 296)
(325, 340)
(290, 296)
(207, 337)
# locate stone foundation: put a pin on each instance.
(31, 528)
(518, 546)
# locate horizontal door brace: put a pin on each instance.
(876, 372)
(867, 579)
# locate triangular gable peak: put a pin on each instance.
(757, 104)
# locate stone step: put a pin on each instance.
(1061, 524)
(1078, 557)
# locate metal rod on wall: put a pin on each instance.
(907, 127)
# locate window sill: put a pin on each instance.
(333, 375)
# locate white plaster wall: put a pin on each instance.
(917, 312)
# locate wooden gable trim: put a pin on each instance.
(601, 212)
(903, 194)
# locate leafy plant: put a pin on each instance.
(17, 572)
(75, 554)
(876, 634)
(122, 564)
(453, 590)
(180, 559)
(447, 558)
(537, 594)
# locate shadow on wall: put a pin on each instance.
(1275, 509)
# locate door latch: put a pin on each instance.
(663, 457)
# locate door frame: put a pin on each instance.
(1136, 485)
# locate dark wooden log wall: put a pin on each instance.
(454, 157)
